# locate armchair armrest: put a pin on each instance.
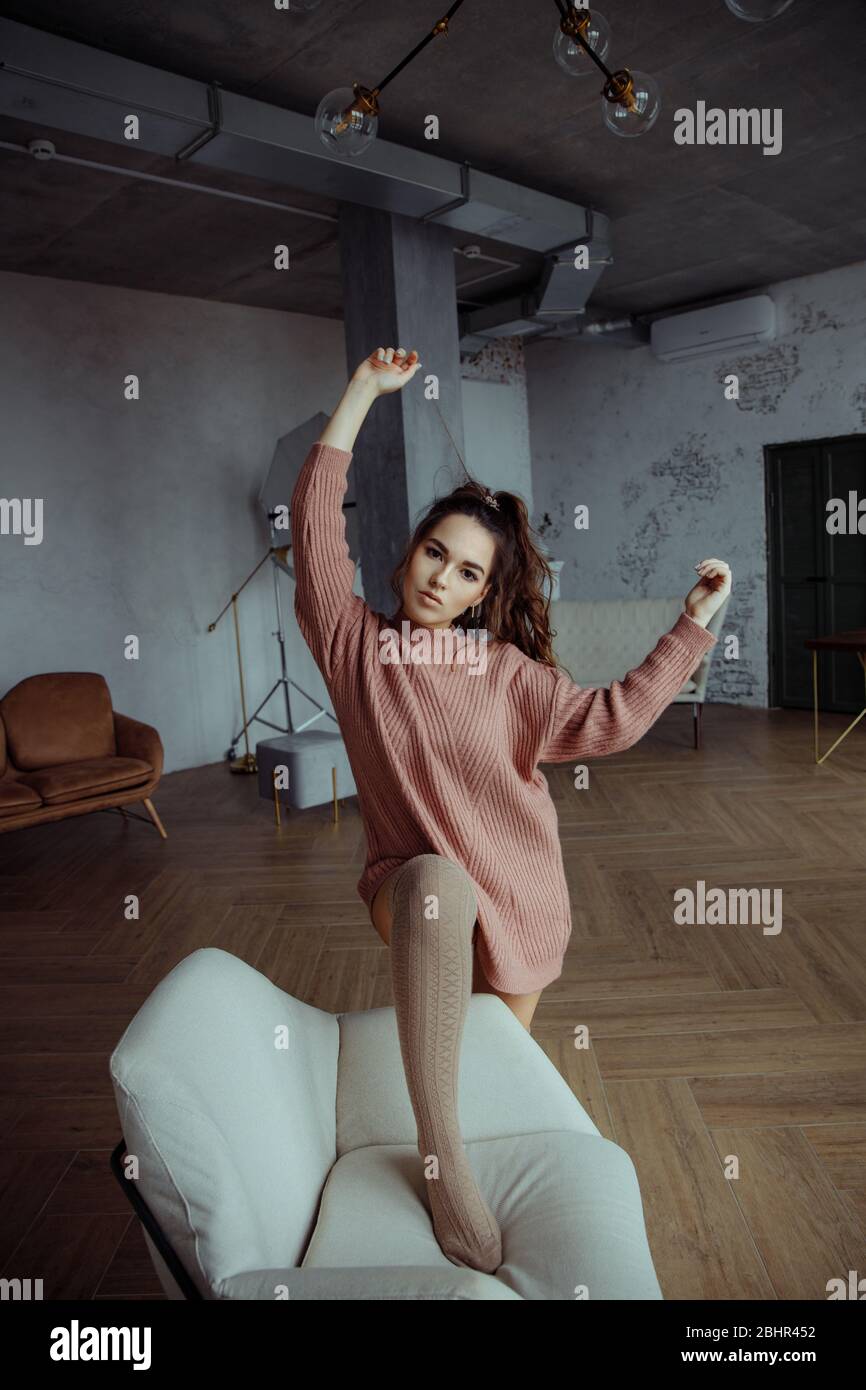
(137, 740)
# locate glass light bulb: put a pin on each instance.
(640, 115)
(343, 127)
(572, 57)
(757, 10)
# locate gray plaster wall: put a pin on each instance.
(151, 518)
(673, 473)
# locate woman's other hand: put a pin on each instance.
(387, 369)
(710, 592)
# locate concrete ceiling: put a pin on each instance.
(689, 224)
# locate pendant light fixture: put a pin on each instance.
(572, 56)
(347, 121)
(630, 100)
(347, 118)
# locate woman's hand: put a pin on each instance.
(383, 371)
(387, 370)
(710, 592)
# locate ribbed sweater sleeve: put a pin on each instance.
(577, 722)
(325, 605)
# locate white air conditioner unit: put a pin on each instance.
(735, 324)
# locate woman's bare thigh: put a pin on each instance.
(380, 910)
(522, 1005)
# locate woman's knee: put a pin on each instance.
(444, 874)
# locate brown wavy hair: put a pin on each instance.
(515, 608)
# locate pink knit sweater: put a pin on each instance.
(446, 760)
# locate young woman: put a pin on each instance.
(463, 875)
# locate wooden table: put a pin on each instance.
(853, 641)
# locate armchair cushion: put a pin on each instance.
(57, 718)
(516, 1091)
(567, 1201)
(73, 781)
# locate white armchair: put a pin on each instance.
(277, 1153)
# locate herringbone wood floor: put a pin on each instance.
(706, 1041)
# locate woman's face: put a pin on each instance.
(454, 563)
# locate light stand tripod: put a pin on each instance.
(278, 556)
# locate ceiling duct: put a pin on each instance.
(69, 86)
(624, 331)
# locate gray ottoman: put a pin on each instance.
(309, 758)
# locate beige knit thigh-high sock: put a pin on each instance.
(431, 971)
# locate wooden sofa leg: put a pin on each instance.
(152, 812)
(697, 707)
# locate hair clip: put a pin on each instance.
(491, 500)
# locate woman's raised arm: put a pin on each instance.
(587, 723)
(385, 370)
(325, 605)
(583, 723)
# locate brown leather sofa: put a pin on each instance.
(64, 751)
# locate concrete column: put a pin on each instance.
(399, 290)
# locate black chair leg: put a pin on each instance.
(697, 708)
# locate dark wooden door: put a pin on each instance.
(817, 581)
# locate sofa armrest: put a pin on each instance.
(137, 740)
(407, 1283)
